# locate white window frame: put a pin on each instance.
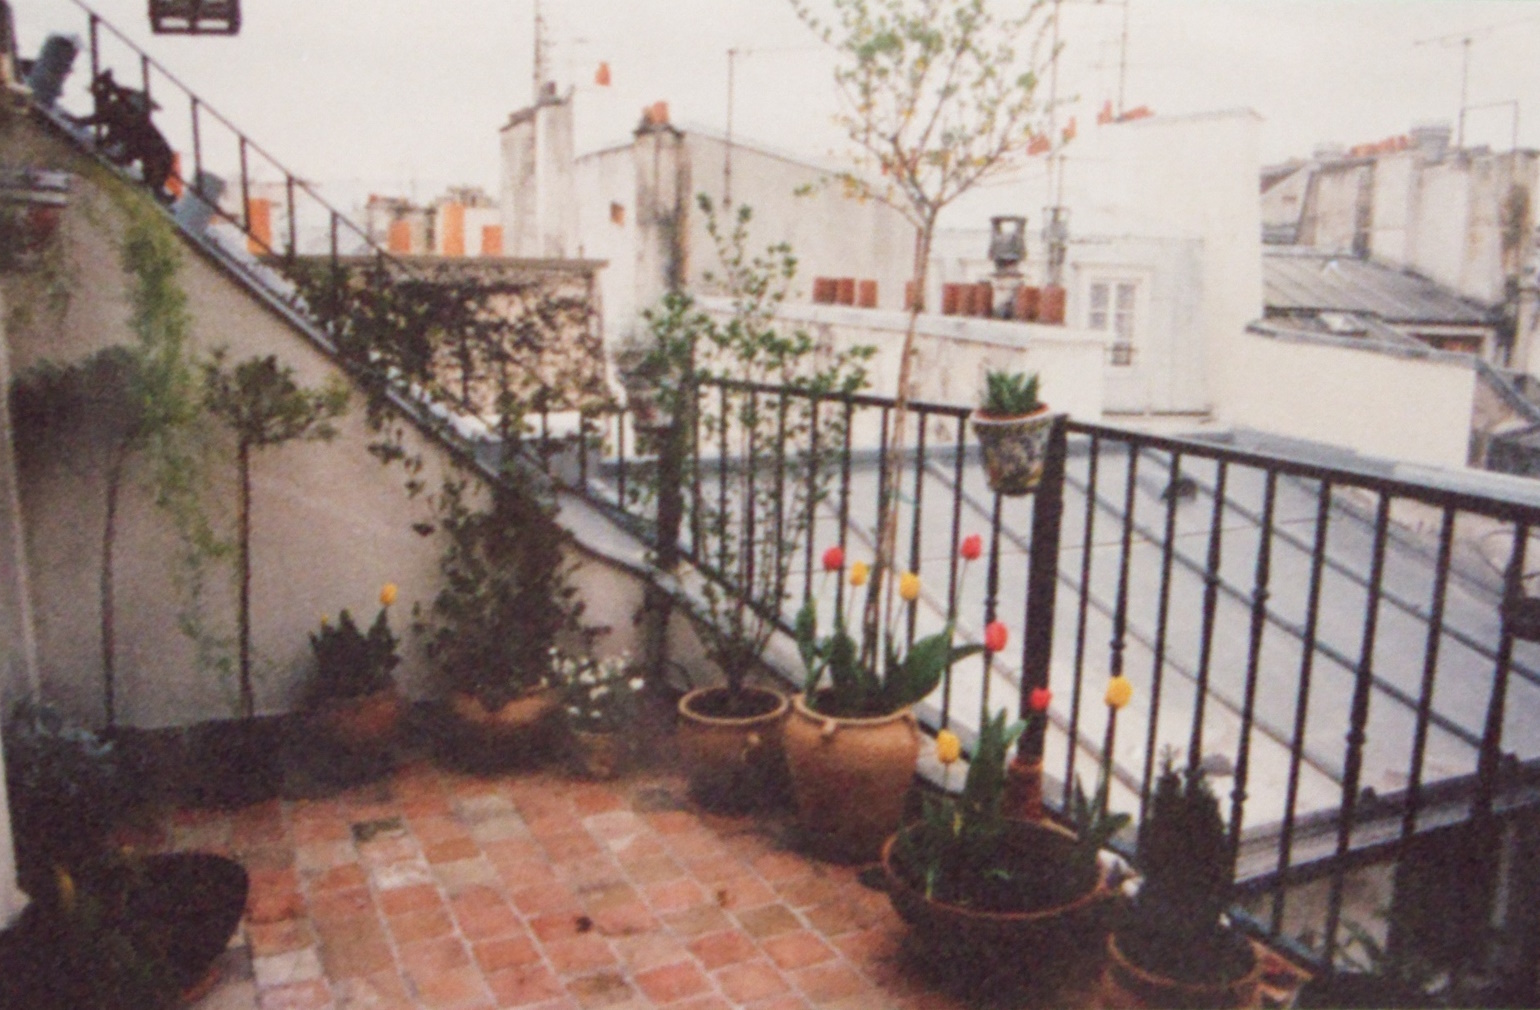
(1123, 301)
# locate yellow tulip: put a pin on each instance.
(66, 884)
(948, 747)
(388, 594)
(1119, 692)
(859, 571)
(909, 587)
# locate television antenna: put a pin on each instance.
(1464, 40)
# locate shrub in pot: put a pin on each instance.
(357, 707)
(600, 698)
(857, 736)
(980, 887)
(1174, 949)
(492, 628)
(1012, 427)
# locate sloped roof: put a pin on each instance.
(1296, 280)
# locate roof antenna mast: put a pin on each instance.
(539, 53)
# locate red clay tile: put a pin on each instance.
(742, 893)
(273, 906)
(341, 904)
(560, 925)
(442, 954)
(694, 846)
(509, 952)
(781, 866)
(432, 830)
(697, 921)
(416, 898)
(674, 895)
(672, 983)
(278, 937)
(869, 946)
(338, 878)
(672, 822)
(579, 954)
(769, 920)
(308, 830)
(596, 799)
(570, 845)
(518, 874)
(506, 851)
(715, 869)
(797, 949)
(750, 981)
(704, 1003)
(429, 924)
(479, 921)
(606, 988)
(525, 986)
(451, 851)
(652, 869)
(543, 899)
(826, 983)
(624, 920)
(383, 990)
(356, 958)
(312, 995)
(728, 946)
(805, 892)
(646, 951)
(454, 987)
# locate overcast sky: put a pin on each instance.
(406, 96)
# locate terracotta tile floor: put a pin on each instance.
(435, 889)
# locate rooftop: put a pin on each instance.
(1306, 280)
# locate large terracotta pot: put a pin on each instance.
(1015, 449)
(851, 778)
(1069, 923)
(1126, 985)
(367, 722)
(734, 762)
(599, 755)
(515, 718)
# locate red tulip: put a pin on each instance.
(972, 547)
(995, 635)
(1039, 699)
(833, 559)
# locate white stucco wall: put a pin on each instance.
(953, 354)
(1415, 409)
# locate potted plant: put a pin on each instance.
(980, 886)
(504, 603)
(263, 406)
(857, 737)
(1012, 427)
(1174, 949)
(353, 693)
(600, 697)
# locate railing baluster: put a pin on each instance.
(991, 594)
(919, 495)
(583, 450)
(197, 140)
(622, 420)
(144, 80)
(1125, 548)
(1302, 697)
(1429, 671)
(245, 189)
(839, 586)
(959, 458)
(1358, 721)
(697, 515)
(1076, 685)
(722, 521)
(1259, 595)
(778, 580)
(288, 185)
(93, 31)
(747, 549)
(1037, 636)
(1163, 613)
(1210, 606)
(815, 465)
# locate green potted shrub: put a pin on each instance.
(1012, 426)
(504, 605)
(857, 736)
(980, 886)
(1174, 948)
(353, 693)
(600, 699)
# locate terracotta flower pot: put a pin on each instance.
(1069, 922)
(515, 718)
(735, 762)
(599, 755)
(367, 722)
(850, 777)
(1015, 449)
(1125, 984)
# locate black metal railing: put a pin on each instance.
(1330, 641)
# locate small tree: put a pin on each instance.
(261, 403)
(937, 99)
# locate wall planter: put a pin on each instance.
(835, 760)
(1015, 449)
(733, 748)
(1126, 984)
(1063, 920)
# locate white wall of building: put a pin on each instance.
(1416, 409)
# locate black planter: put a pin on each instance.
(239, 762)
(134, 935)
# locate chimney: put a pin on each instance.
(1431, 140)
